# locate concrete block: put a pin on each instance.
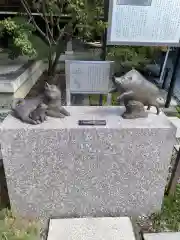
(10, 82)
(176, 122)
(162, 236)
(20, 83)
(91, 228)
(61, 169)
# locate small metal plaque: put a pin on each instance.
(92, 122)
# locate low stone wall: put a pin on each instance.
(18, 83)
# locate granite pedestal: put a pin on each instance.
(61, 169)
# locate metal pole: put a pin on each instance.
(165, 77)
(104, 38)
(173, 79)
(164, 65)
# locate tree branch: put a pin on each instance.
(29, 13)
(46, 21)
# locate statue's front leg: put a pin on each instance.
(126, 95)
(27, 119)
(64, 111)
(55, 114)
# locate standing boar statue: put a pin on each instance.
(136, 92)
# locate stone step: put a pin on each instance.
(176, 122)
(170, 112)
(162, 236)
(16, 80)
(91, 228)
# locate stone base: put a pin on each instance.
(91, 228)
(61, 169)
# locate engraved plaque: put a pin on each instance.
(92, 122)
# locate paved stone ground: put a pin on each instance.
(91, 228)
(162, 236)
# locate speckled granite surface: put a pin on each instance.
(61, 169)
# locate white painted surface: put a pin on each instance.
(91, 229)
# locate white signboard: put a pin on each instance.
(144, 22)
(88, 76)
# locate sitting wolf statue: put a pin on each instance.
(135, 89)
(35, 110)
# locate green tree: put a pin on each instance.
(84, 19)
(15, 37)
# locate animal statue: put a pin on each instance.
(40, 113)
(53, 99)
(35, 110)
(134, 87)
(22, 109)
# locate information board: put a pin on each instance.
(144, 22)
(88, 76)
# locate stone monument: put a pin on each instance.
(61, 169)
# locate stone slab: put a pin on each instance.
(162, 236)
(91, 229)
(176, 122)
(171, 111)
(61, 169)
(10, 82)
(9, 66)
(21, 85)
